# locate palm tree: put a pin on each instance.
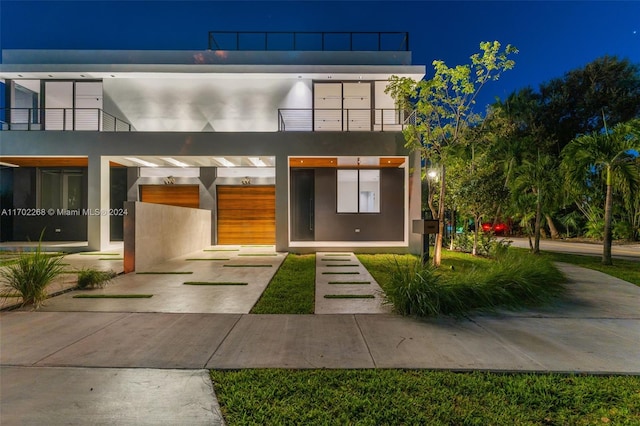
(537, 178)
(611, 157)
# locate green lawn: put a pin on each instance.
(389, 397)
(627, 270)
(292, 289)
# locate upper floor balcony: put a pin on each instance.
(67, 119)
(343, 120)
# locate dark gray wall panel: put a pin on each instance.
(388, 225)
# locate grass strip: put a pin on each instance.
(248, 266)
(341, 273)
(349, 282)
(111, 258)
(99, 254)
(203, 258)
(627, 270)
(212, 283)
(164, 273)
(341, 266)
(423, 397)
(292, 288)
(112, 296)
(221, 250)
(349, 296)
(257, 254)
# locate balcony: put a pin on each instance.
(66, 119)
(343, 120)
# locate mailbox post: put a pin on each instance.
(425, 227)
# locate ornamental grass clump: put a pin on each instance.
(512, 281)
(30, 275)
(94, 278)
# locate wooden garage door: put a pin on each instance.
(246, 214)
(173, 195)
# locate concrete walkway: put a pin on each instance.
(344, 286)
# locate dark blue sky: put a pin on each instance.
(553, 37)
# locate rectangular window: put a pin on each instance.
(61, 189)
(358, 191)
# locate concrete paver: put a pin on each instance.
(293, 341)
(149, 341)
(106, 396)
(28, 337)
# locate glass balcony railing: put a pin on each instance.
(74, 119)
(343, 120)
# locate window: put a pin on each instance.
(61, 189)
(358, 191)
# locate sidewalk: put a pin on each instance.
(595, 329)
(62, 357)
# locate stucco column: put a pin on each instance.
(98, 203)
(282, 203)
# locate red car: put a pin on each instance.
(499, 228)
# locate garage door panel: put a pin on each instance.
(246, 214)
(173, 195)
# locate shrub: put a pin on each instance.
(31, 274)
(488, 244)
(93, 278)
(512, 281)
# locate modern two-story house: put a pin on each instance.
(286, 138)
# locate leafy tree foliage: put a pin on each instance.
(605, 90)
(443, 107)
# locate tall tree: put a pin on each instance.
(605, 90)
(609, 156)
(443, 108)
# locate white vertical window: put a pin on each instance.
(369, 191)
(358, 191)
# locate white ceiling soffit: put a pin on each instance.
(178, 162)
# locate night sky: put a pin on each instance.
(553, 37)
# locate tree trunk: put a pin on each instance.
(476, 222)
(552, 228)
(536, 229)
(608, 208)
(453, 228)
(437, 251)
